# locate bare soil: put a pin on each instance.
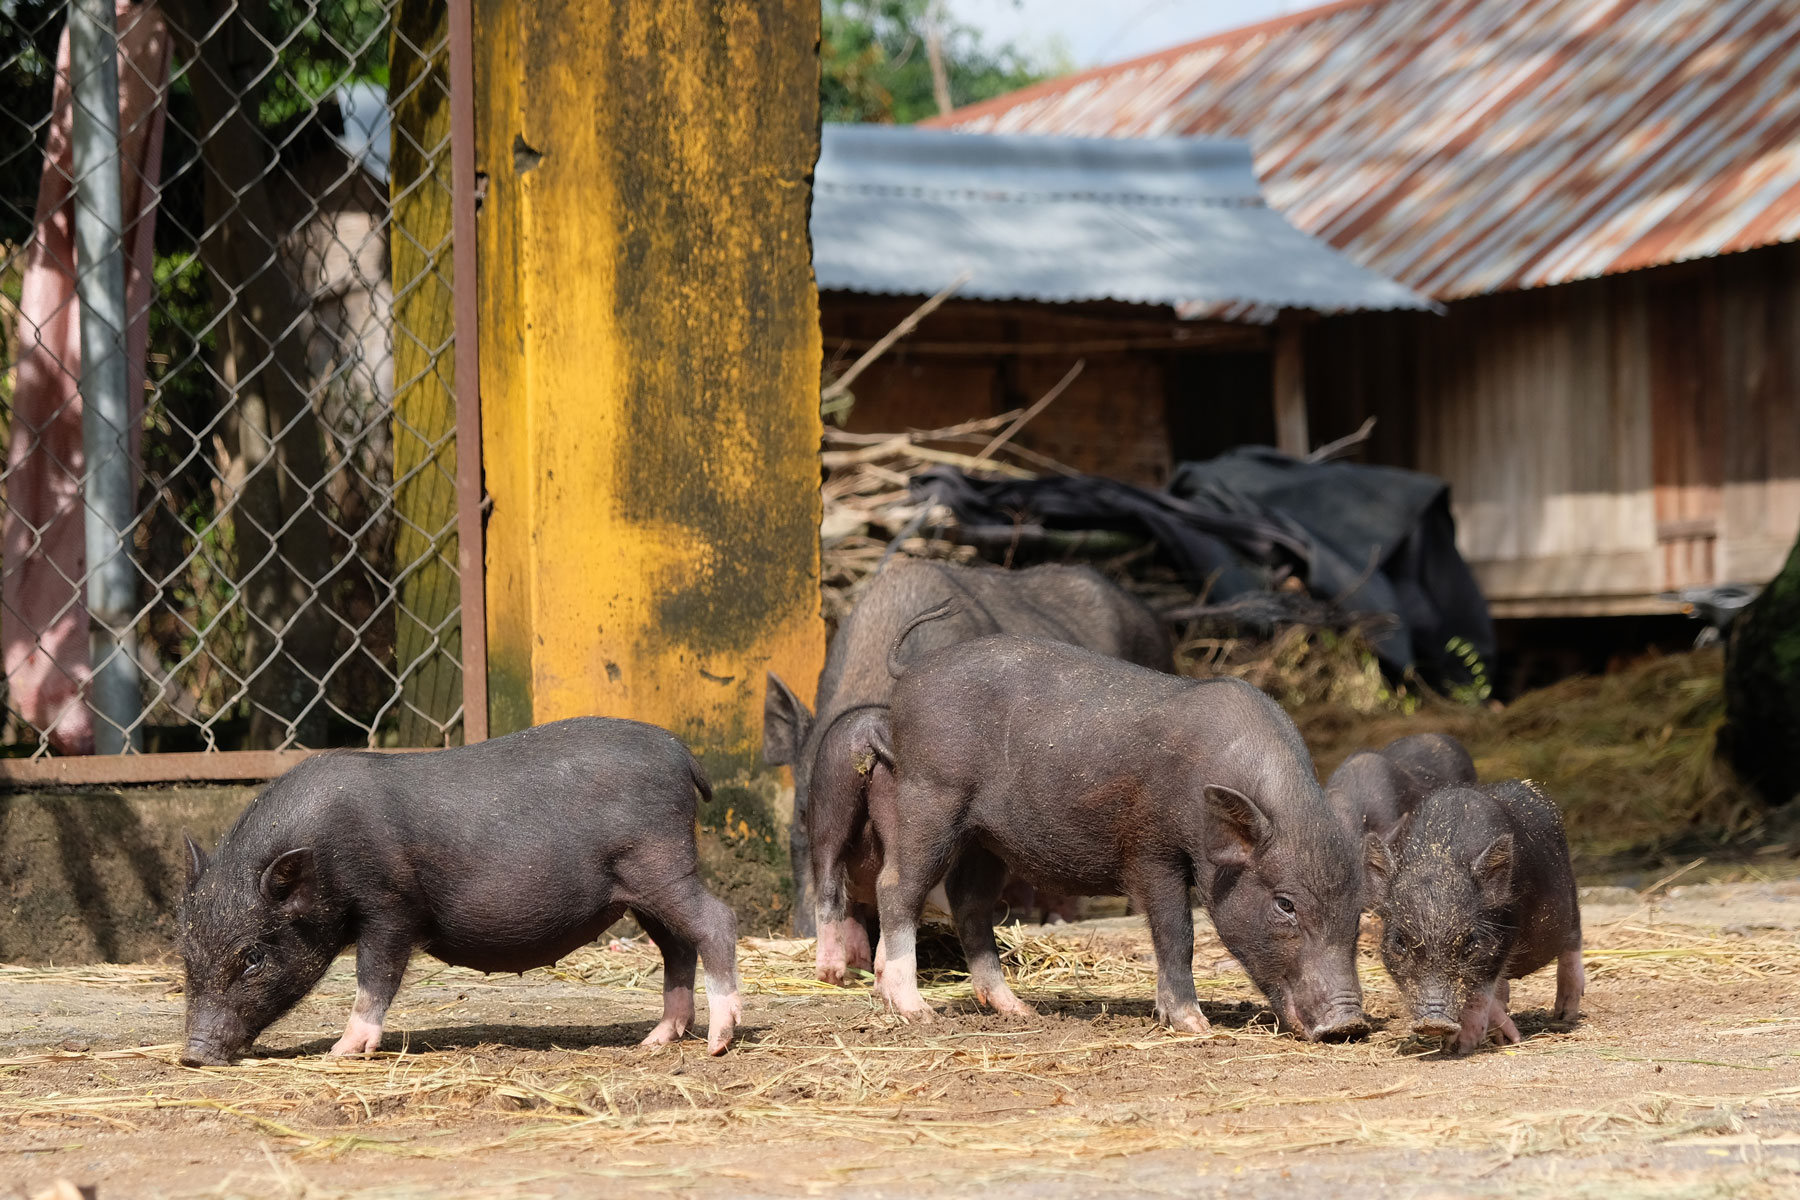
(1682, 1079)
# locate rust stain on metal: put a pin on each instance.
(471, 560)
(1467, 147)
(222, 766)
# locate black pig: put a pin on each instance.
(1374, 789)
(501, 856)
(1480, 892)
(834, 857)
(1091, 776)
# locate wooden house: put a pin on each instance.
(1602, 195)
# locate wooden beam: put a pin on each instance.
(1290, 387)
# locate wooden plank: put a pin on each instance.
(1760, 508)
(1290, 387)
(1624, 573)
(1643, 604)
(1686, 357)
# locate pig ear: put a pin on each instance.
(196, 860)
(1236, 827)
(291, 882)
(786, 722)
(1378, 867)
(1493, 870)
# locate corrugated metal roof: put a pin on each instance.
(1175, 221)
(1473, 146)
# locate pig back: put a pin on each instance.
(1543, 875)
(1063, 755)
(1075, 605)
(1434, 760)
(1368, 793)
(517, 819)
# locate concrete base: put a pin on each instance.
(95, 874)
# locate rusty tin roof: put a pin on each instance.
(1474, 146)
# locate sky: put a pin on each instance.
(1093, 32)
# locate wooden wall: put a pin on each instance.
(977, 359)
(1605, 441)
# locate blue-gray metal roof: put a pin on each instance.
(1171, 221)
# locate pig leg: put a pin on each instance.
(974, 883)
(696, 917)
(680, 957)
(897, 962)
(381, 958)
(1485, 1015)
(1164, 902)
(900, 896)
(800, 856)
(914, 862)
(1571, 982)
(835, 830)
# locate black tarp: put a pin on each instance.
(1375, 541)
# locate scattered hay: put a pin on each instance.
(1053, 1090)
(1629, 756)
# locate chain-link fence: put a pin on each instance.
(228, 395)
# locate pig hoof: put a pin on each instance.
(1188, 1020)
(1006, 1004)
(666, 1033)
(360, 1037)
(914, 1009)
(723, 1015)
(832, 973)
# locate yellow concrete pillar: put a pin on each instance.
(427, 624)
(649, 360)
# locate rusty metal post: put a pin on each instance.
(471, 557)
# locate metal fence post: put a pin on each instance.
(106, 408)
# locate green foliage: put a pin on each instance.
(324, 46)
(28, 33)
(873, 65)
(1479, 689)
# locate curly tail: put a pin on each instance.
(697, 773)
(895, 666)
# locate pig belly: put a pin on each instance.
(861, 870)
(1065, 872)
(519, 953)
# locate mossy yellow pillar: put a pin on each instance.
(649, 360)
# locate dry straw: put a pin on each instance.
(1085, 1085)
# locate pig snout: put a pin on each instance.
(199, 1054)
(1326, 1004)
(1436, 1012)
(213, 1040)
(1342, 1023)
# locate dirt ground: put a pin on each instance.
(1682, 1079)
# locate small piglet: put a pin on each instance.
(501, 856)
(1480, 892)
(1376, 789)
